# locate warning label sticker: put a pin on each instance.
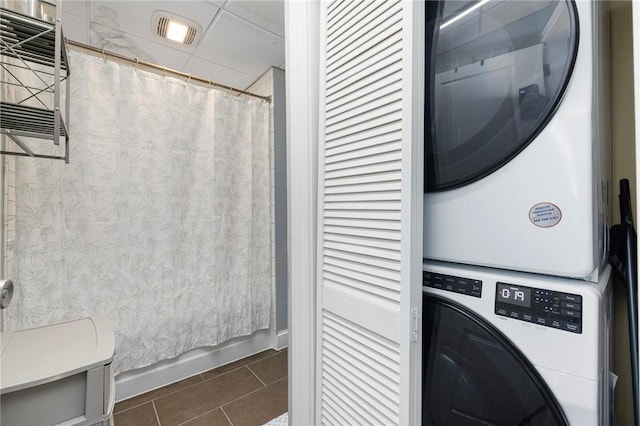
(545, 215)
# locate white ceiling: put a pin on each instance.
(240, 40)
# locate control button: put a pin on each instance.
(527, 317)
(454, 284)
(573, 327)
(502, 312)
(557, 324)
(570, 313)
(571, 298)
(542, 320)
(571, 305)
(515, 315)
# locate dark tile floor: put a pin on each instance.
(247, 392)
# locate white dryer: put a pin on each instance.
(507, 348)
(517, 135)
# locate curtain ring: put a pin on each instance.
(137, 62)
(189, 79)
(104, 55)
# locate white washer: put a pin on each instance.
(504, 347)
(517, 135)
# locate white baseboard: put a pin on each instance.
(281, 340)
(135, 382)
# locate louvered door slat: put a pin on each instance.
(363, 196)
(345, 376)
(381, 90)
(352, 112)
(361, 149)
(369, 170)
(354, 369)
(355, 224)
(364, 81)
(353, 268)
(366, 215)
(362, 244)
(364, 37)
(355, 12)
(354, 189)
(354, 142)
(352, 335)
(375, 155)
(339, 11)
(365, 285)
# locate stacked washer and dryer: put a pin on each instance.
(517, 300)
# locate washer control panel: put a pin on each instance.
(460, 285)
(543, 307)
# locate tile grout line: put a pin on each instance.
(198, 416)
(235, 369)
(253, 391)
(162, 396)
(155, 410)
(196, 384)
(230, 402)
(225, 414)
(257, 377)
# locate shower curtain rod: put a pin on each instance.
(189, 77)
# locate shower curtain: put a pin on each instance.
(161, 220)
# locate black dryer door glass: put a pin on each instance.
(496, 71)
(473, 375)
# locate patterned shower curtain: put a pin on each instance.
(161, 220)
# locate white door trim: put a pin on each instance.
(302, 58)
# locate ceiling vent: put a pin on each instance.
(176, 29)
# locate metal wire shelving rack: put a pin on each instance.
(34, 66)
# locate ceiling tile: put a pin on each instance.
(268, 14)
(239, 45)
(135, 16)
(133, 47)
(219, 73)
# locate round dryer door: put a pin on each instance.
(473, 375)
(496, 71)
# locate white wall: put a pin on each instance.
(622, 166)
(272, 83)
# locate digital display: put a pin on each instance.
(514, 295)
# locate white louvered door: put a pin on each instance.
(370, 212)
